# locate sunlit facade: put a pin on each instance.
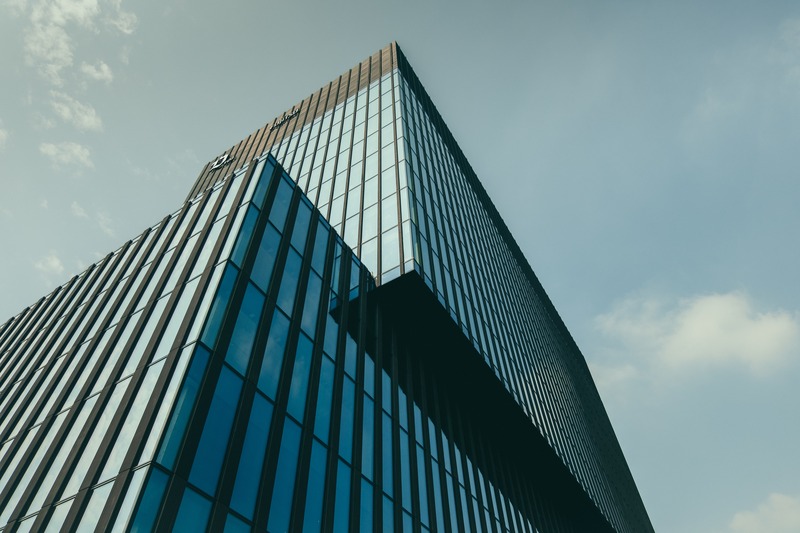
(344, 336)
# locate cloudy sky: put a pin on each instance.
(644, 154)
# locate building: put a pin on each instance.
(240, 365)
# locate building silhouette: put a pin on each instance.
(336, 331)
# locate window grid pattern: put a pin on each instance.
(83, 370)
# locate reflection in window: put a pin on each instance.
(300, 231)
(299, 385)
(193, 513)
(248, 475)
(323, 421)
(244, 332)
(265, 260)
(273, 355)
(243, 240)
(280, 206)
(150, 502)
(311, 305)
(281, 506)
(291, 273)
(216, 432)
(341, 513)
(217, 312)
(312, 518)
(346, 424)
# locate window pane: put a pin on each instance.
(299, 386)
(300, 231)
(217, 313)
(367, 437)
(263, 184)
(193, 513)
(323, 422)
(280, 207)
(346, 427)
(273, 355)
(320, 247)
(234, 525)
(245, 232)
(291, 273)
(311, 305)
(312, 518)
(280, 509)
(216, 432)
(387, 454)
(341, 513)
(244, 332)
(265, 260)
(183, 409)
(366, 506)
(151, 501)
(251, 462)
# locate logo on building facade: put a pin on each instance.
(221, 161)
(285, 118)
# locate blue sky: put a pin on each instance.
(643, 154)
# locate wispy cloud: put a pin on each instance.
(78, 211)
(698, 333)
(98, 72)
(3, 138)
(50, 265)
(780, 513)
(105, 223)
(82, 116)
(49, 38)
(67, 154)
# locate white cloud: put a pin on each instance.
(67, 154)
(703, 331)
(49, 265)
(104, 221)
(78, 211)
(780, 513)
(49, 45)
(609, 377)
(98, 72)
(82, 116)
(3, 138)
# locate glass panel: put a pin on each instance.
(341, 513)
(299, 386)
(193, 513)
(217, 313)
(263, 183)
(251, 462)
(265, 260)
(387, 461)
(91, 515)
(273, 355)
(244, 332)
(243, 240)
(125, 510)
(388, 515)
(312, 518)
(367, 436)
(235, 525)
(280, 206)
(300, 231)
(216, 432)
(346, 425)
(150, 503)
(320, 247)
(291, 273)
(323, 422)
(280, 509)
(183, 409)
(311, 305)
(56, 522)
(366, 506)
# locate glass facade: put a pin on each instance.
(299, 347)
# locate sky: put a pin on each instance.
(644, 155)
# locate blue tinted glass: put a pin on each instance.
(423, 487)
(312, 518)
(331, 336)
(320, 247)
(281, 507)
(346, 427)
(251, 462)
(350, 356)
(299, 386)
(273, 355)
(311, 305)
(217, 313)
(366, 507)
(235, 525)
(388, 516)
(402, 408)
(369, 375)
(291, 273)
(386, 392)
(323, 422)
(405, 471)
(183, 408)
(337, 266)
(407, 522)
(216, 432)
(265, 260)
(341, 512)
(245, 233)
(193, 512)
(300, 231)
(437, 494)
(280, 207)
(387, 454)
(367, 437)
(244, 333)
(151, 501)
(263, 184)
